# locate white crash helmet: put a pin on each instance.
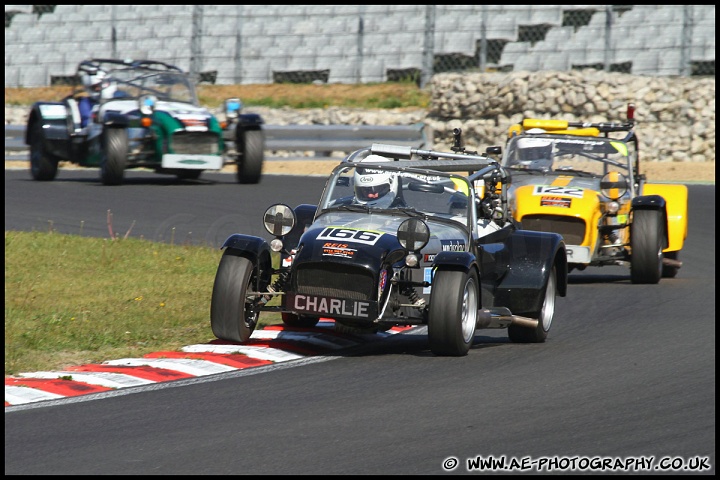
(373, 187)
(529, 148)
(99, 85)
(94, 82)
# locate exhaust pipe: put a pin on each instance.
(501, 317)
(670, 262)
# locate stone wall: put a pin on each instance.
(675, 115)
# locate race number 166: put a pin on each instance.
(349, 235)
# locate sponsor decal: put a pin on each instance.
(382, 282)
(192, 162)
(287, 261)
(429, 257)
(428, 279)
(331, 306)
(338, 250)
(555, 202)
(452, 245)
(558, 190)
(350, 235)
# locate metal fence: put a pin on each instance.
(257, 44)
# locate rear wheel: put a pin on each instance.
(453, 312)
(299, 321)
(43, 166)
(251, 150)
(112, 166)
(522, 334)
(232, 316)
(646, 242)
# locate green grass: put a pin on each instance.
(71, 300)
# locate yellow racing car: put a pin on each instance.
(583, 181)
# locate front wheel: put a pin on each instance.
(251, 150)
(522, 334)
(232, 315)
(453, 312)
(114, 158)
(43, 166)
(646, 242)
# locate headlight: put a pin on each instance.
(413, 234)
(147, 104)
(614, 185)
(279, 220)
(232, 108)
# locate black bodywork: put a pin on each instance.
(372, 269)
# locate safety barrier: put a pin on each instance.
(322, 139)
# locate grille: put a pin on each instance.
(324, 280)
(195, 143)
(572, 229)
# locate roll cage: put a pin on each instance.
(475, 176)
(549, 128)
(138, 77)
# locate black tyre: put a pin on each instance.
(112, 165)
(453, 312)
(43, 166)
(231, 314)
(251, 152)
(522, 334)
(669, 271)
(299, 321)
(646, 242)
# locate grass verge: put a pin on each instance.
(72, 300)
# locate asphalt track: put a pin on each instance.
(627, 372)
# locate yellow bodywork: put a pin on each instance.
(676, 199)
(528, 202)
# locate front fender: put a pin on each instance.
(532, 257)
(249, 121)
(112, 118)
(54, 118)
(255, 249)
(249, 246)
(455, 260)
(676, 211)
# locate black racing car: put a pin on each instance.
(401, 236)
(141, 114)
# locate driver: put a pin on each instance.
(98, 86)
(377, 188)
(534, 153)
(93, 84)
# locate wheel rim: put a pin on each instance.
(469, 310)
(548, 308)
